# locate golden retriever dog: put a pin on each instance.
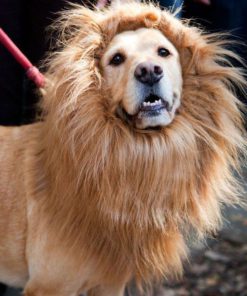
(135, 152)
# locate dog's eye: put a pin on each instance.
(117, 59)
(163, 52)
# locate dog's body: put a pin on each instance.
(13, 198)
(106, 188)
(16, 175)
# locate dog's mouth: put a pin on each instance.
(154, 111)
(153, 105)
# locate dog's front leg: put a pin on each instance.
(107, 291)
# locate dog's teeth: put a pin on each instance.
(155, 103)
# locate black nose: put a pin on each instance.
(148, 73)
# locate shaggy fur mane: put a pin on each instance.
(132, 197)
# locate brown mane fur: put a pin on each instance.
(132, 197)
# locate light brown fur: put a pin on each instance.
(86, 201)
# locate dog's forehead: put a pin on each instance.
(140, 39)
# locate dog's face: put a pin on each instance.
(142, 70)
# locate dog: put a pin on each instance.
(134, 154)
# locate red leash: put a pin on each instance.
(31, 71)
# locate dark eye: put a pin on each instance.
(117, 59)
(163, 52)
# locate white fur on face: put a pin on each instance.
(138, 47)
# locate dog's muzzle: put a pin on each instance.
(155, 107)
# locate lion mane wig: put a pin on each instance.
(127, 198)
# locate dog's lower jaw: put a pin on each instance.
(143, 121)
(159, 120)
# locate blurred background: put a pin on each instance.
(218, 267)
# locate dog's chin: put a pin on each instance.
(150, 115)
(153, 120)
